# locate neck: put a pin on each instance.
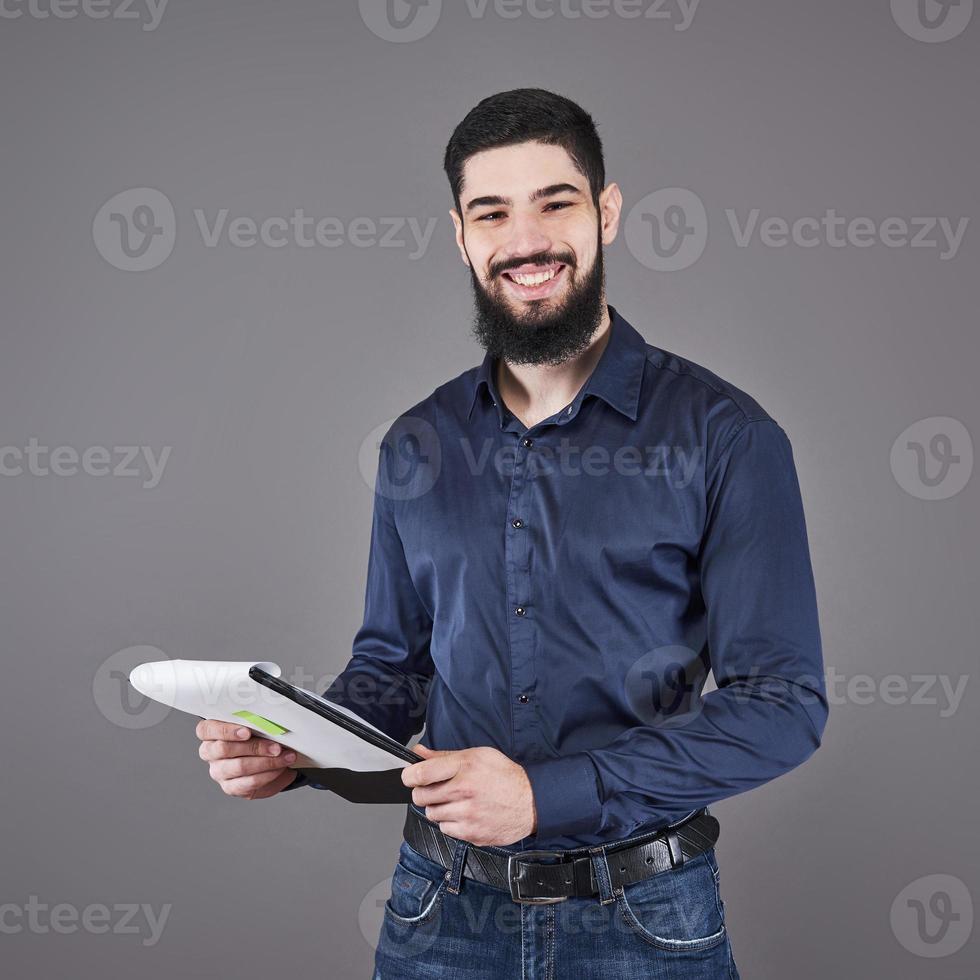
(534, 392)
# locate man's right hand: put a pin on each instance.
(244, 765)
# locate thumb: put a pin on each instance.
(425, 751)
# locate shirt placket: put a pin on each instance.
(522, 527)
(520, 603)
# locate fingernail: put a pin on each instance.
(275, 748)
(290, 756)
(242, 733)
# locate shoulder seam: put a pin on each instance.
(707, 384)
(736, 433)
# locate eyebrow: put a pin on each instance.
(541, 192)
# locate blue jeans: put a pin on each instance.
(671, 926)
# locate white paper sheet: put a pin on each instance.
(219, 688)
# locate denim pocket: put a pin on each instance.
(416, 886)
(677, 910)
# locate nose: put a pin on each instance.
(527, 238)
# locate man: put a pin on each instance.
(565, 540)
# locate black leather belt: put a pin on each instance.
(571, 875)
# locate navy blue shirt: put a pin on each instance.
(561, 592)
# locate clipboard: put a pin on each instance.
(379, 786)
(335, 748)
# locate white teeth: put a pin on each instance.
(533, 280)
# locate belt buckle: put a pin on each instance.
(514, 884)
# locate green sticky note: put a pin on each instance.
(269, 727)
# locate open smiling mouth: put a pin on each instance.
(535, 282)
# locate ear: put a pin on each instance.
(458, 222)
(610, 209)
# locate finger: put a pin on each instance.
(212, 728)
(259, 785)
(460, 830)
(448, 791)
(220, 749)
(247, 765)
(433, 770)
(440, 812)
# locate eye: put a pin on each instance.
(559, 204)
(492, 214)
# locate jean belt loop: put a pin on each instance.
(677, 856)
(601, 868)
(459, 861)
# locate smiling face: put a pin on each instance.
(533, 242)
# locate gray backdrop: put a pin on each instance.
(248, 379)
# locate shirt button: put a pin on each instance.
(517, 522)
(520, 611)
(527, 443)
(523, 699)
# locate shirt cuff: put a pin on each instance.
(300, 780)
(566, 795)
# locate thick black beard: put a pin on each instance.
(544, 335)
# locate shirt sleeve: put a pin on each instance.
(770, 708)
(387, 679)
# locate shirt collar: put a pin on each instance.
(616, 378)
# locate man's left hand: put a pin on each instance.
(477, 795)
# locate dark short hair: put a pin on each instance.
(521, 115)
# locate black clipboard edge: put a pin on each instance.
(383, 786)
(305, 700)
